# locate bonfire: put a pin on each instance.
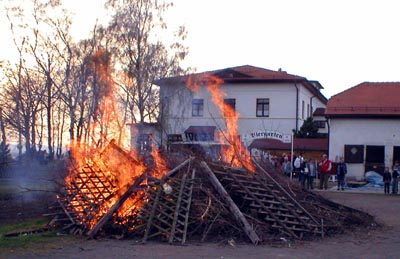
(175, 197)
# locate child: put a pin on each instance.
(387, 178)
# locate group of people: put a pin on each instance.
(391, 178)
(306, 171)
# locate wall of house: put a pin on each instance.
(363, 132)
(282, 98)
(146, 129)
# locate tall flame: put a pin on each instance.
(102, 171)
(234, 152)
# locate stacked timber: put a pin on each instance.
(202, 200)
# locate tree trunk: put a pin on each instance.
(49, 119)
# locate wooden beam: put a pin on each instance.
(173, 171)
(231, 204)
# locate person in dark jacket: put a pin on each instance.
(395, 177)
(387, 178)
(341, 171)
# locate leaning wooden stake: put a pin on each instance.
(133, 188)
(173, 171)
(232, 206)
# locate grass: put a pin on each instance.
(28, 236)
(21, 234)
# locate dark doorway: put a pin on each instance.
(396, 154)
(375, 159)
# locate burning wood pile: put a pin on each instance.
(114, 194)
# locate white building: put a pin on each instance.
(269, 103)
(364, 127)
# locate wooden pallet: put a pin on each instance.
(269, 201)
(85, 194)
(166, 212)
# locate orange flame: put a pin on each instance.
(160, 166)
(234, 152)
(99, 176)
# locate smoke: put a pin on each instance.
(30, 181)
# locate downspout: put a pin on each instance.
(297, 106)
(329, 134)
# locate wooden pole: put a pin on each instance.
(231, 204)
(173, 171)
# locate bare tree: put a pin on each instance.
(59, 84)
(22, 96)
(141, 56)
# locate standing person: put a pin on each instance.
(278, 164)
(387, 178)
(286, 167)
(395, 178)
(312, 173)
(341, 171)
(303, 173)
(325, 167)
(282, 159)
(297, 166)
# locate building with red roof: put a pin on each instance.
(270, 105)
(364, 126)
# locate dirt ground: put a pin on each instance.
(382, 243)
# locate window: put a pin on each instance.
(353, 153)
(144, 142)
(199, 137)
(230, 102)
(200, 133)
(175, 138)
(197, 107)
(302, 110)
(262, 107)
(320, 124)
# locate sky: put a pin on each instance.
(339, 43)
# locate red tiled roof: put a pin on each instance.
(239, 73)
(366, 99)
(246, 74)
(315, 144)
